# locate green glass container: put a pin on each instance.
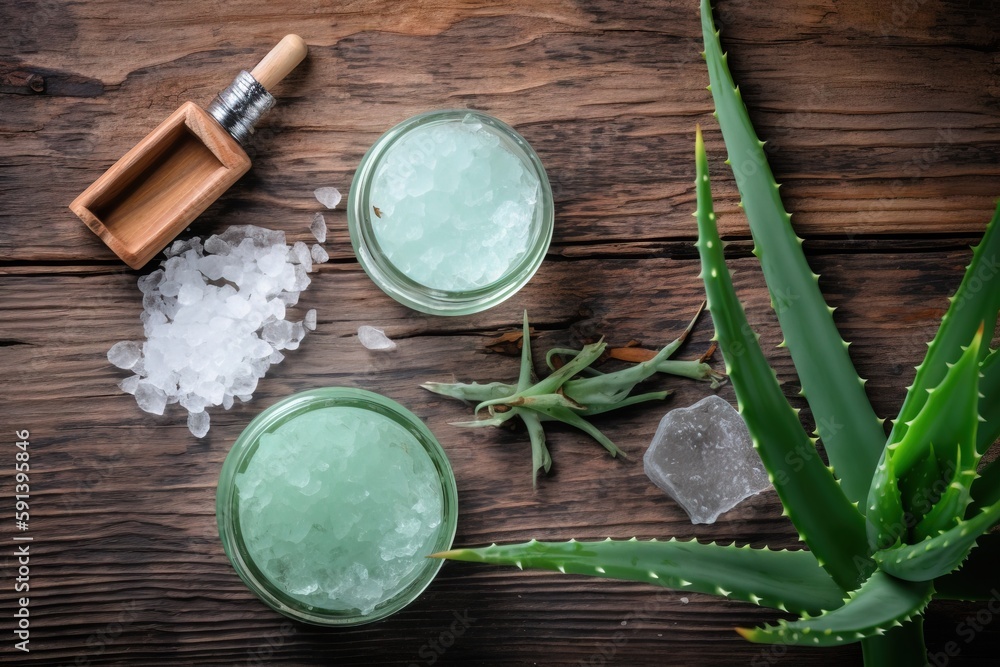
(314, 458)
(450, 212)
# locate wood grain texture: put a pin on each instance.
(884, 127)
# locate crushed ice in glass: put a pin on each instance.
(328, 197)
(375, 339)
(703, 458)
(214, 319)
(339, 508)
(455, 207)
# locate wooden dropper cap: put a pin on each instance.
(281, 60)
(169, 178)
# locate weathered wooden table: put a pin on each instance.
(884, 122)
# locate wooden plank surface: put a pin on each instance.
(884, 122)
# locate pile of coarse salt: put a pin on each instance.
(214, 316)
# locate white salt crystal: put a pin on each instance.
(375, 339)
(319, 255)
(150, 398)
(301, 252)
(309, 321)
(188, 294)
(703, 458)
(208, 340)
(125, 354)
(198, 423)
(149, 282)
(318, 226)
(129, 384)
(328, 197)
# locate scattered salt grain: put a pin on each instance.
(198, 423)
(318, 227)
(129, 384)
(215, 319)
(125, 354)
(328, 197)
(375, 339)
(309, 321)
(319, 256)
(684, 600)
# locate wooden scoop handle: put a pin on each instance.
(282, 59)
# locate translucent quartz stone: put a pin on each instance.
(453, 208)
(339, 508)
(703, 458)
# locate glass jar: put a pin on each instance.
(280, 419)
(498, 232)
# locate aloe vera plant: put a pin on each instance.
(894, 521)
(564, 397)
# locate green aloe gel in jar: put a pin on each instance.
(331, 501)
(451, 212)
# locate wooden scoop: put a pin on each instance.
(169, 178)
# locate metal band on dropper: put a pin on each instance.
(240, 106)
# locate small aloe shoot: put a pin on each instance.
(571, 392)
(896, 521)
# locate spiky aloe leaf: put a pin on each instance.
(950, 508)
(979, 576)
(567, 416)
(472, 391)
(937, 556)
(787, 580)
(921, 487)
(944, 427)
(883, 602)
(949, 417)
(986, 489)
(989, 402)
(884, 523)
(540, 458)
(976, 301)
(814, 501)
(852, 434)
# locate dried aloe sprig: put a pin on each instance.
(571, 392)
(926, 510)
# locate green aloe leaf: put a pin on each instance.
(986, 489)
(540, 458)
(949, 417)
(787, 580)
(882, 603)
(944, 428)
(567, 416)
(976, 301)
(851, 432)
(937, 556)
(471, 391)
(826, 519)
(989, 402)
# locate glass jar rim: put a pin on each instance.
(227, 505)
(400, 286)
